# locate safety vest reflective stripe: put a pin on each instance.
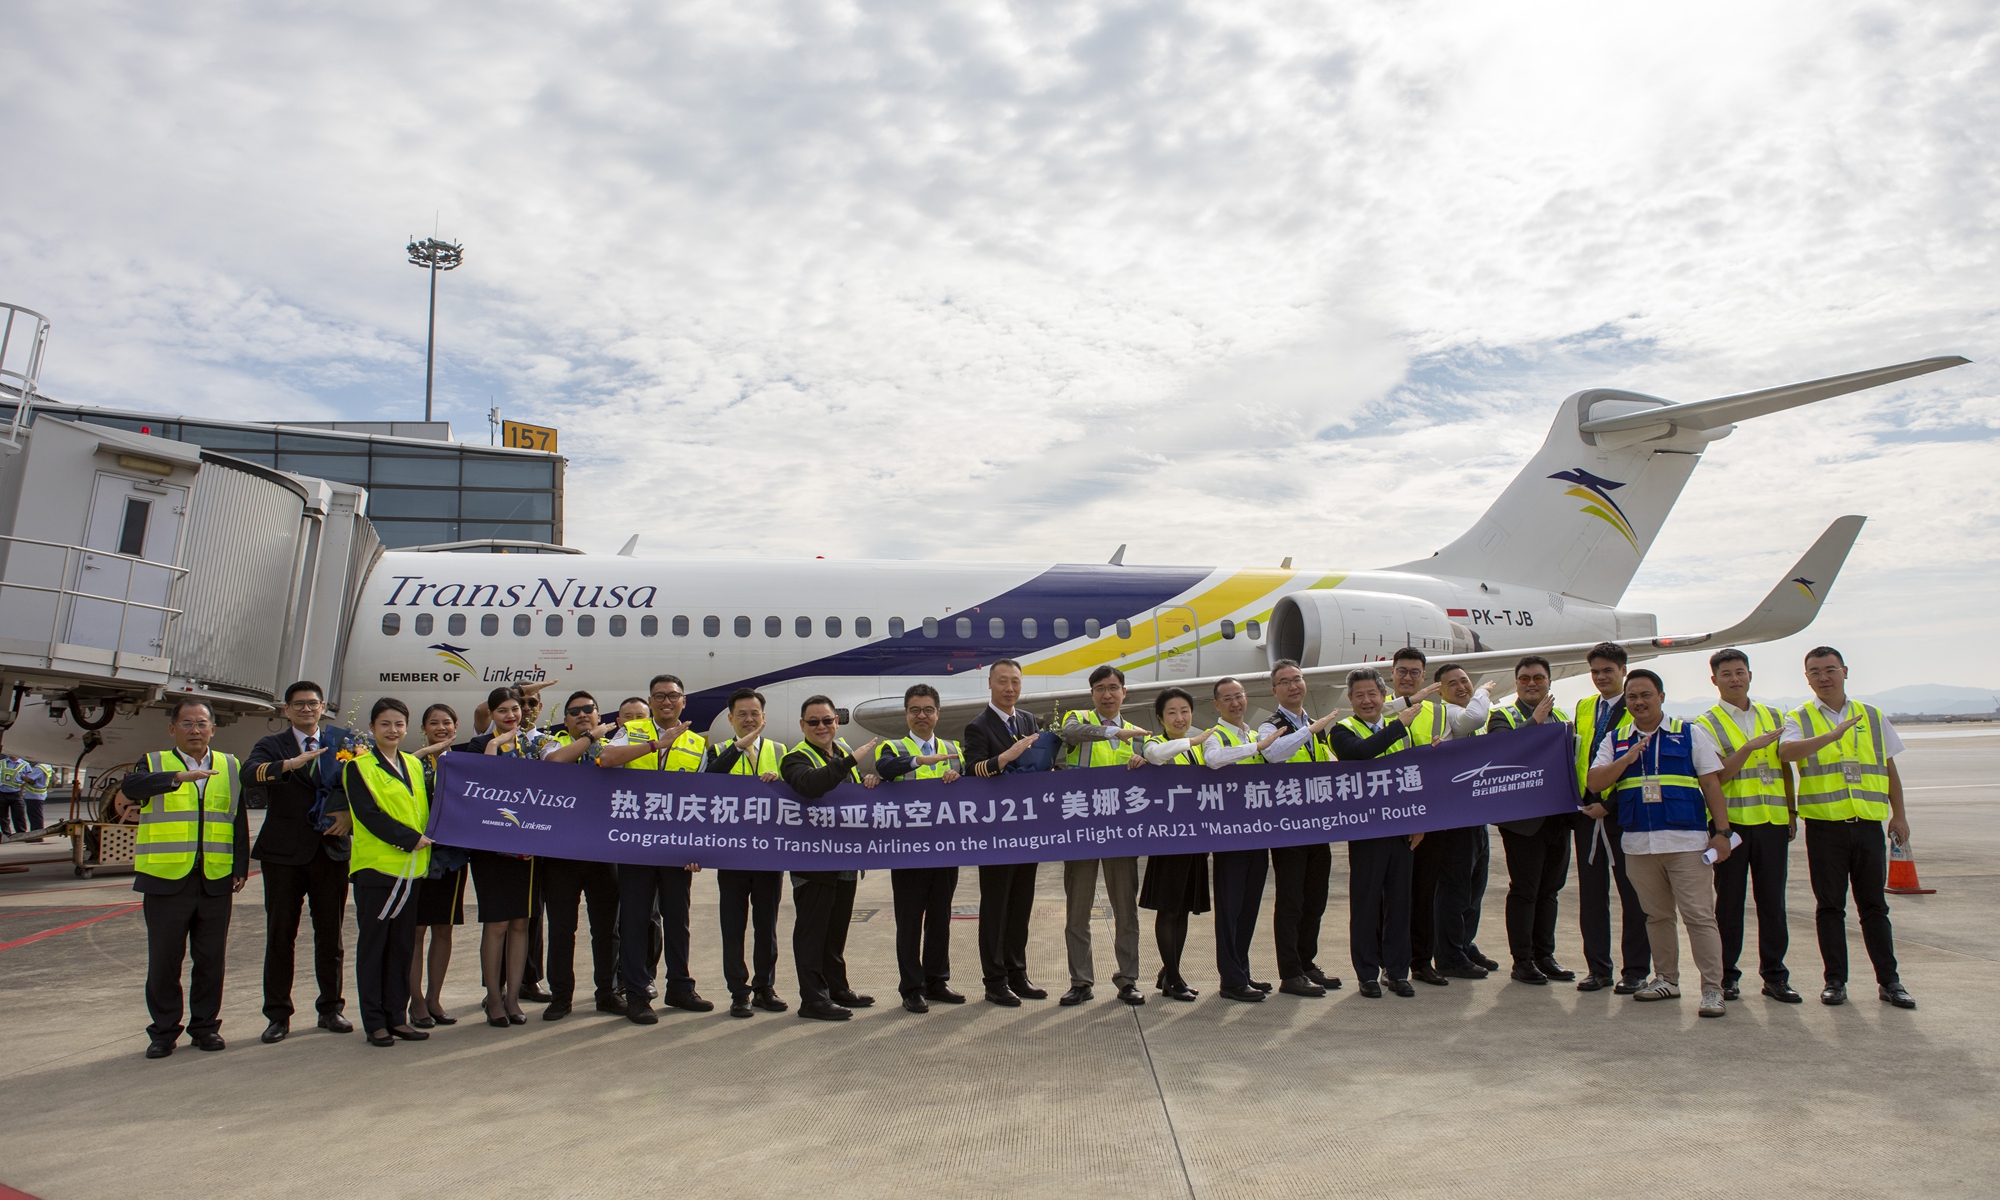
(1429, 727)
(175, 824)
(1106, 753)
(913, 746)
(1847, 778)
(1669, 762)
(1757, 795)
(1360, 728)
(1636, 775)
(1516, 716)
(1588, 714)
(1229, 738)
(769, 754)
(684, 755)
(407, 805)
(819, 760)
(10, 777)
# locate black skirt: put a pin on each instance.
(504, 886)
(442, 901)
(1175, 883)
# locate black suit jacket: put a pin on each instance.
(288, 837)
(988, 736)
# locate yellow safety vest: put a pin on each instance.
(1359, 728)
(1848, 778)
(1190, 757)
(1315, 749)
(684, 755)
(1428, 728)
(409, 805)
(1588, 714)
(1229, 738)
(1757, 795)
(173, 825)
(819, 760)
(769, 755)
(1106, 753)
(912, 746)
(1516, 716)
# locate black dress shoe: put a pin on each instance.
(159, 1048)
(1371, 989)
(275, 1032)
(1554, 970)
(942, 993)
(614, 1005)
(1480, 960)
(1264, 987)
(1179, 991)
(1833, 993)
(1330, 982)
(1004, 997)
(824, 1010)
(517, 1018)
(534, 992)
(408, 1034)
(1732, 991)
(335, 1023)
(914, 1002)
(688, 1000)
(1594, 983)
(499, 1022)
(443, 1018)
(853, 1000)
(1401, 987)
(1131, 995)
(1783, 993)
(1428, 975)
(1527, 972)
(1076, 995)
(1026, 990)
(423, 1022)
(739, 1006)
(1627, 984)
(1299, 985)
(767, 999)
(1471, 970)
(556, 1011)
(639, 1014)
(1248, 995)
(383, 1039)
(1898, 995)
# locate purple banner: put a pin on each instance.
(737, 821)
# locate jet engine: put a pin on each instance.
(1324, 628)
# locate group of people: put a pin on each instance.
(24, 793)
(1683, 817)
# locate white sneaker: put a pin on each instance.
(1658, 988)
(1711, 1003)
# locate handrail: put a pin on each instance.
(73, 552)
(8, 537)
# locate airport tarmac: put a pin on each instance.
(1485, 1088)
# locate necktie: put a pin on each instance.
(312, 743)
(926, 749)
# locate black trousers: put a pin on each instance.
(1006, 901)
(1239, 893)
(1763, 857)
(1537, 870)
(287, 889)
(1378, 898)
(176, 925)
(639, 889)
(531, 967)
(825, 904)
(564, 883)
(1302, 874)
(1594, 880)
(382, 950)
(1440, 888)
(1840, 853)
(923, 925)
(1482, 867)
(750, 898)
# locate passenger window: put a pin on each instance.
(930, 627)
(1091, 627)
(455, 624)
(1251, 630)
(803, 626)
(392, 623)
(1124, 629)
(552, 625)
(996, 628)
(586, 625)
(649, 626)
(1062, 628)
(965, 627)
(743, 627)
(773, 627)
(615, 626)
(711, 627)
(523, 625)
(896, 627)
(863, 627)
(1028, 627)
(680, 626)
(833, 626)
(1228, 629)
(489, 624)
(422, 625)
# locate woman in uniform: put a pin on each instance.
(441, 901)
(1175, 884)
(388, 795)
(505, 883)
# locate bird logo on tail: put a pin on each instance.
(1805, 585)
(1595, 491)
(455, 655)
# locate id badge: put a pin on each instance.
(1851, 772)
(1649, 790)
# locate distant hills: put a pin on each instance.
(1936, 699)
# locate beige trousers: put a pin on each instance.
(1679, 880)
(1121, 886)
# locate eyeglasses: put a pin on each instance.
(580, 709)
(818, 722)
(925, 711)
(315, 703)
(669, 695)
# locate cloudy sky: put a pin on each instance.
(1226, 281)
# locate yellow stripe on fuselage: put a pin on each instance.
(1239, 589)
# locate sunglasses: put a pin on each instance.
(817, 722)
(580, 709)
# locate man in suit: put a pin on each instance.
(994, 745)
(1301, 873)
(1378, 869)
(749, 898)
(1537, 848)
(304, 850)
(824, 900)
(922, 894)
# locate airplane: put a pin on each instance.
(1541, 572)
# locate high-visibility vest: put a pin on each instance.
(407, 804)
(10, 774)
(35, 782)
(1516, 716)
(1190, 757)
(684, 755)
(1848, 778)
(819, 760)
(1228, 738)
(1669, 759)
(1315, 749)
(1106, 753)
(1428, 729)
(1757, 795)
(1590, 717)
(172, 825)
(1360, 728)
(769, 755)
(912, 746)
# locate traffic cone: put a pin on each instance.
(1903, 872)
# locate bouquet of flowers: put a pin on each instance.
(353, 745)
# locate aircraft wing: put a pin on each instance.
(1727, 410)
(1789, 607)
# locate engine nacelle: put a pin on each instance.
(1324, 628)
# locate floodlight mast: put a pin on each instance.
(436, 256)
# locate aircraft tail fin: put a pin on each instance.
(1582, 514)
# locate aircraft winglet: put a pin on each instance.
(1727, 410)
(1794, 602)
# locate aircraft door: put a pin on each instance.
(133, 533)
(1176, 662)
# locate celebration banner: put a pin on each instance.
(679, 818)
